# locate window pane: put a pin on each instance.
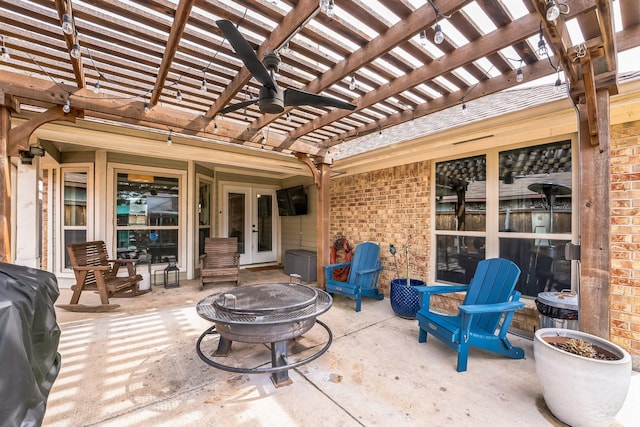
(535, 189)
(147, 200)
(542, 264)
(461, 194)
(161, 245)
(72, 236)
(458, 257)
(75, 198)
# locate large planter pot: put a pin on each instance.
(580, 391)
(405, 300)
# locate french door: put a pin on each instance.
(248, 214)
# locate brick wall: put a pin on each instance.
(625, 236)
(387, 206)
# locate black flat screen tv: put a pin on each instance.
(292, 201)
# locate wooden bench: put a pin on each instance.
(221, 261)
(95, 271)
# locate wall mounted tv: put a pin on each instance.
(292, 201)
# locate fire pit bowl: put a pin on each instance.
(267, 313)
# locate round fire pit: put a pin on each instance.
(268, 313)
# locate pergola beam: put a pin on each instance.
(177, 29)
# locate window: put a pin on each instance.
(147, 212)
(531, 197)
(461, 211)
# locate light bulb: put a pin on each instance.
(464, 108)
(439, 36)
(553, 11)
(96, 87)
(75, 51)
(5, 54)
(353, 84)
(380, 133)
(331, 9)
(67, 106)
(558, 85)
(215, 127)
(203, 86)
(169, 139)
(542, 46)
(519, 75)
(146, 106)
(423, 38)
(178, 95)
(67, 25)
(324, 4)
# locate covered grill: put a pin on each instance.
(268, 313)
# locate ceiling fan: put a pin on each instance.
(271, 99)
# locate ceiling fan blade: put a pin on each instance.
(294, 97)
(239, 105)
(245, 52)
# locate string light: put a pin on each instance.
(438, 37)
(330, 9)
(519, 75)
(464, 108)
(75, 51)
(203, 86)
(67, 25)
(96, 87)
(379, 132)
(558, 83)
(146, 106)
(5, 52)
(554, 9)
(353, 84)
(542, 46)
(423, 38)
(178, 95)
(66, 108)
(215, 127)
(169, 139)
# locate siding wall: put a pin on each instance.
(625, 236)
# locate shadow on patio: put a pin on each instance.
(138, 366)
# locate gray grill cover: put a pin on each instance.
(29, 336)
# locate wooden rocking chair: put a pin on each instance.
(220, 261)
(95, 271)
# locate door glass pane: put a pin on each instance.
(236, 218)
(265, 221)
(75, 198)
(204, 203)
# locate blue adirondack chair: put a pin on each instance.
(491, 298)
(363, 275)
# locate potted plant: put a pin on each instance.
(584, 378)
(405, 300)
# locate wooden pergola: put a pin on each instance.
(150, 59)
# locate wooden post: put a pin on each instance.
(5, 186)
(595, 230)
(323, 223)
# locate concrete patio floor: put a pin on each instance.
(138, 366)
